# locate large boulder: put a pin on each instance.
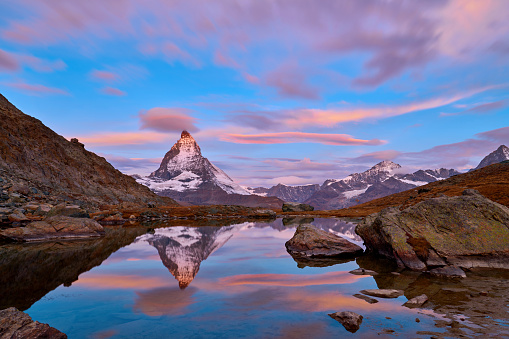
(467, 231)
(16, 324)
(350, 320)
(309, 241)
(54, 228)
(296, 207)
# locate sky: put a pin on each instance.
(273, 91)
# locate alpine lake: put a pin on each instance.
(153, 280)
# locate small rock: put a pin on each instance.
(448, 272)
(350, 320)
(417, 320)
(73, 211)
(366, 298)
(483, 293)
(395, 273)
(17, 217)
(381, 293)
(296, 207)
(362, 271)
(388, 318)
(416, 301)
(470, 191)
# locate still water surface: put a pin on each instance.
(230, 282)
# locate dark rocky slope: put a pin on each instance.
(41, 163)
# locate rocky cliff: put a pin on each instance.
(39, 162)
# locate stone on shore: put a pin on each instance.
(54, 228)
(311, 242)
(351, 321)
(382, 293)
(296, 207)
(467, 231)
(16, 324)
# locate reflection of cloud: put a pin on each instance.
(291, 279)
(168, 301)
(110, 281)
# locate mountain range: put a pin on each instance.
(186, 176)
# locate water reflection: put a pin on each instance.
(182, 249)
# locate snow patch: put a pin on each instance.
(354, 193)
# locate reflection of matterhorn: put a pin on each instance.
(182, 249)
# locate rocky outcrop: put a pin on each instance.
(296, 207)
(350, 320)
(38, 164)
(383, 293)
(310, 242)
(16, 324)
(467, 231)
(56, 227)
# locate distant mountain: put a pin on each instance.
(55, 169)
(381, 180)
(499, 155)
(287, 193)
(185, 175)
(182, 249)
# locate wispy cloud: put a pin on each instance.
(172, 119)
(113, 91)
(295, 137)
(37, 89)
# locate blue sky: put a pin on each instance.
(273, 91)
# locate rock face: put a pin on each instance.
(16, 324)
(350, 320)
(310, 242)
(296, 207)
(468, 231)
(54, 228)
(499, 155)
(287, 193)
(187, 176)
(43, 165)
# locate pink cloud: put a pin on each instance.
(36, 89)
(167, 120)
(113, 91)
(122, 138)
(295, 137)
(175, 53)
(8, 61)
(292, 81)
(104, 75)
(330, 117)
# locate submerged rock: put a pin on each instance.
(416, 301)
(448, 272)
(54, 228)
(309, 241)
(366, 298)
(362, 271)
(468, 231)
(296, 207)
(350, 320)
(381, 293)
(16, 324)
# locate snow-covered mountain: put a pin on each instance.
(499, 155)
(287, 193)
(381, 180)
(182, 249)
(187, 176)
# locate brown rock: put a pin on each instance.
(17, 217)
(382, 293)
(296, 207)
(468, 231)
(16, 324)
(351, 321)
(416, 301)
(308, 241)
(448, 272)
(366, 298)
(53, 228)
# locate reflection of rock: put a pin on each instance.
(453, 298)
(320, 262)
(16, 324)
(310, 242)
(383, 293)
(29, 271)
(297, 221)
(339, 227)
(182, 249)
(468, 231)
